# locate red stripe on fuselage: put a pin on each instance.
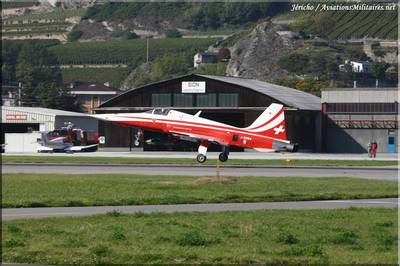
(227, 127)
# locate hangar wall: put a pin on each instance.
(229, 100)
(353, 117)
(356, 140)
(85, 123)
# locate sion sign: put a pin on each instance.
(193, 87)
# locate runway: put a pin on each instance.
(248, 155)
(25, 213)
(377, 173)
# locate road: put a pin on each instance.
(24, 213)
(378, 173)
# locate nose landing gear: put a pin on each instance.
(201, 157)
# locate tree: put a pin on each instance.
(212, 69)
(170, 64)
(7, 73)
(52, 95)
(294, 63)
(308, 84)
(46, 92)
(351, 53)
(65, 100)
(391, 73)
(25, 74)
(377, 70)
(317, 65)
(322, 23)
(37, 69)
(74, 35)
(173, 33)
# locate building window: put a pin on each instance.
(228, 100)
(161, 99)
(183, 100)
(362, 107)
(206, 100)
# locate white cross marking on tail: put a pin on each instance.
(279, 130)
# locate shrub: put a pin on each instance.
(385, 224)
(287, 238)
(119, 235)
(14, 229)
(74, 35)
(193, 239)
(212, 69)
(345, 237)
(173, 33)
(124, 35)
(100, 250)
(12, 243)
(385, 240)
(114, 213)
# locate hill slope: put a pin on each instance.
(342, 25)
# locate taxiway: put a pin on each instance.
(26, 213)
(378, 173)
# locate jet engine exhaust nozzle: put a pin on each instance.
(282, 146)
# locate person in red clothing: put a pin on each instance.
(374, 147)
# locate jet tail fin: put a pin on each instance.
(270, 123)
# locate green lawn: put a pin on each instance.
(348, 236)
(126, 160)
(39, 190)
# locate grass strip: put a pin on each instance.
(51, 190)
(303, 237)
(127, 160)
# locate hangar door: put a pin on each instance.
(18, 128)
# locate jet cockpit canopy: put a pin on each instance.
(158, 111)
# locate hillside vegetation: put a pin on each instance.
(130, 52)
(187, 15)
(17, 4)
(343, 25)
(42, 25)
(115, 76)
(57, 14)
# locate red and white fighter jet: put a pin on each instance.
(266, 134)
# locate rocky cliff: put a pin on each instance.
(256, 56)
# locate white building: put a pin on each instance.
(204, 58)
(28, 119)
(357, 66)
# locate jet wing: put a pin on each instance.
(196, 137)
(82, 148)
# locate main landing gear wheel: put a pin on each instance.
(223, 157)
(201, 158)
